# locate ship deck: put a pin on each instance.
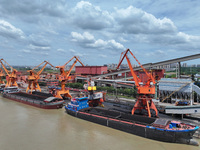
(30, 96)
(119, 115)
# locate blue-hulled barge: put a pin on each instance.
(152, 128)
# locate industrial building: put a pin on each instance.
(173, 90)
(90, 70)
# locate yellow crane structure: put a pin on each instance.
(35, 76)
(12, 75)
(64, 77)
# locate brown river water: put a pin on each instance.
(24, 127)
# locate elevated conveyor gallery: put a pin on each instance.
(152, 65)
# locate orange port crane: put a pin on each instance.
(34, 77)
(1, 75)
(145, 91)
(64, 77)
(12, 75)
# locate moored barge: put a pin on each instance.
(153, 128)
(37, 99)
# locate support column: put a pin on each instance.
(191, 97)
(156, 92)
(179, 69)
(181, 116)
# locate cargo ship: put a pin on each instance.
(159, 129)
(37, 99)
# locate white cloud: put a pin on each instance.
(9, 31)
(60, 50)
(20, 56)
(87, 16)
(136, 21)
(123, 39)
(85, 37)
(35, 8)
(76, 53)
(39, 40)
(99, 44)
(114, 44)
(26, 51)
(44, 53)
(34, 47)
(110, 44)
(72, 50)
(180, 41)
(156, 53)
(102, 55)
(87, 40)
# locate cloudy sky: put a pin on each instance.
(97, 32)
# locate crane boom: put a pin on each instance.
(148, 74)
(7, 72)
(77, 58)
(66, 63)
(68, 73)
(122, 58)
(46, 63)
(136, 79)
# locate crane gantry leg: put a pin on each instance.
(65, 93)
(62, 92)
(145, 103)
(33, 86)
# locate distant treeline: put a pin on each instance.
(109, 89)
(190, 70)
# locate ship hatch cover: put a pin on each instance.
(161, 122)
(49, 99)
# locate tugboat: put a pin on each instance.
(153, 128)
(44, 101)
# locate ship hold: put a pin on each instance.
(152, 128)
(36, 99)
